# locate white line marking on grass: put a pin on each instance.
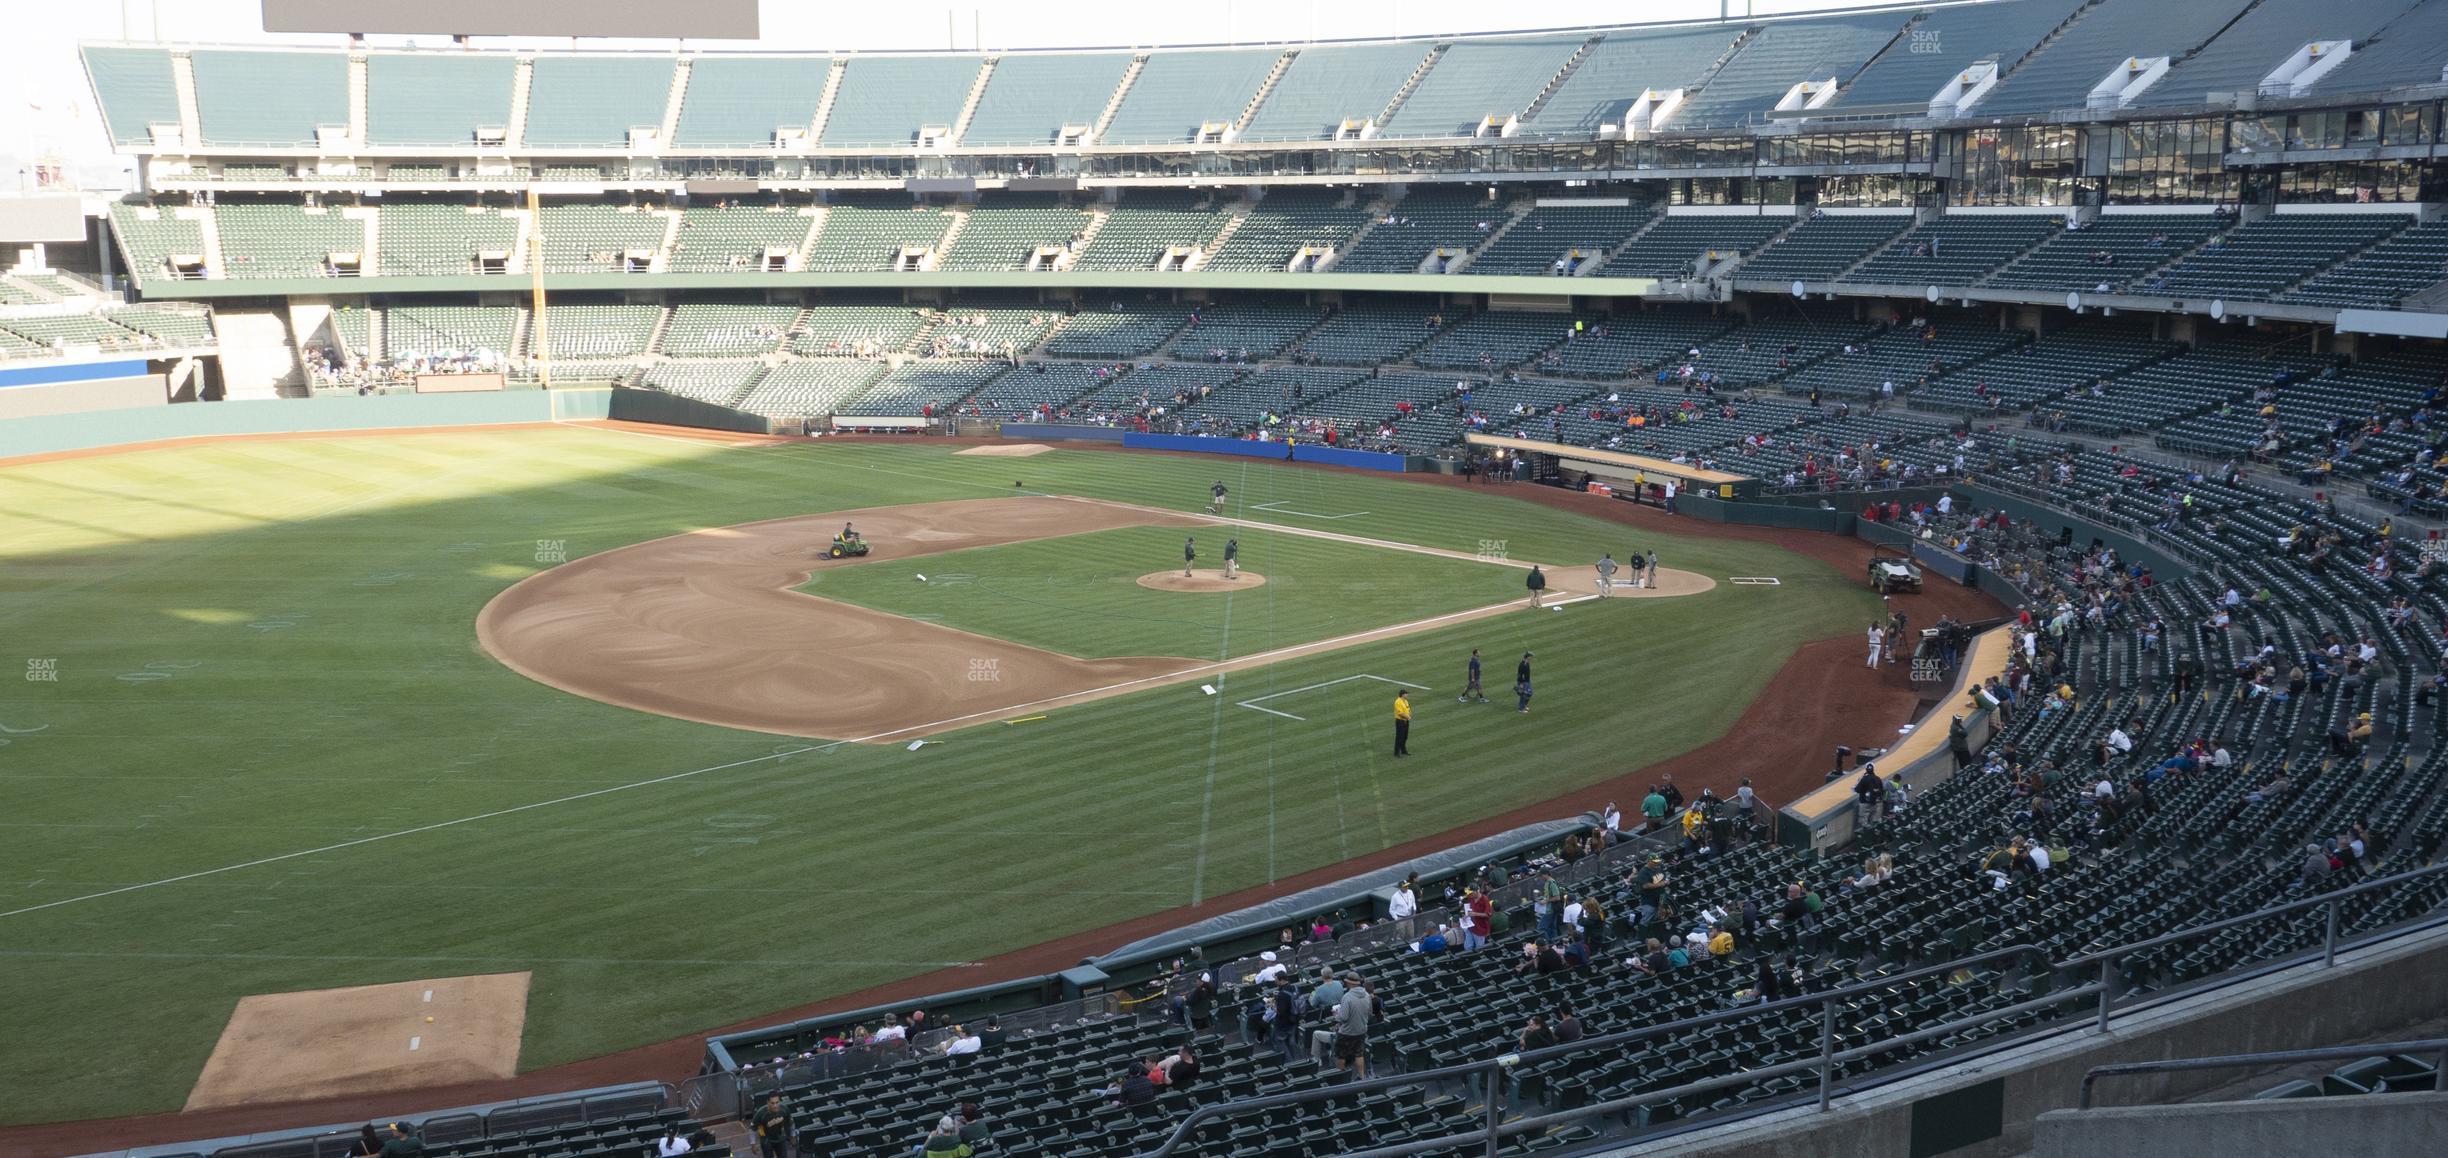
(1278, 507)
(403, 832)
(1253, 703)
(1215, 732)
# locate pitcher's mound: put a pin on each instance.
(320, 1043)
(1013, 450)
(1201, 580)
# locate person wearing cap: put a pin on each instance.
(963, 1044)
(772, 1125)
(1479, 918)
(1351, 1023)
(403, 1142)
(1537, 582)
(1215, 497)
(1189, 554)
(1273, 968)
(1403, 906)
(1232, 558)
(1402, 721)
(1521, 683)
(1286, 1033)
(1606, 575)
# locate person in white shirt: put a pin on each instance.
(1877, 637)
(1404, 905)
(963, 1043)
(672, 1144)
(2118, 740)
(2104, 790)
(2221, 758)
(1572, 913)
(1273, 969)
(2040, 856)
(1612, 818)
(892, 1031)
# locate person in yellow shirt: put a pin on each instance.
(1721, 944)
(1402, 722)
(1693, 823)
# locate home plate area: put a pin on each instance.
(1277, 703)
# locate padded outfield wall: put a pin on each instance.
(50, 434)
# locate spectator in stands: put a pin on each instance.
(1133, 1089)
(368, 1144)
(1535, 1035)
(1479, 916)
(672, 1145)
(403, 1142)
(1351, 1024)
(991, 1038)
(772, 1126)
(2316, 867)
(1285, 1011)
(964, 1044)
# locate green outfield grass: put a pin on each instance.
(1080, 594)
(273, 758)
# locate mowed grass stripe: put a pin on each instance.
(799, 878)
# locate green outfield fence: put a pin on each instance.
(53, 433)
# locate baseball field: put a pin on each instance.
(587, 705)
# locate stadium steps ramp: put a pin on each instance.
(1572, 65)
(1514, 215)
(1113, 104)
(182, 82)
(357, 100)
(1591, 268)
(1249, 111)
(824, 100)
(1377, 211)
(522, 80)
(1411, 85)
(662, 326)
(960, 127)
(1234, 215)
(673, 99)
(958, 216)
(1773, 238)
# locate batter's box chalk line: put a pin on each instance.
(1755, 581)
(1256, 704)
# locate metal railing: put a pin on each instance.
(1490, 1070)
(2282, 1057)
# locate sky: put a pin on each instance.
(53, 113)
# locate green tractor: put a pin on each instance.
(847, 545)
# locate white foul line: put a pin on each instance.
(1279, 508)
(1253, 702)
(405, 832)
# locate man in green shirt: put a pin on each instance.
(773, 1128)
(1653, 808)
(402, 1143)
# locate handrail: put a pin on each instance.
(1181, 1131)
(2104, 989)
(2439, 1045)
